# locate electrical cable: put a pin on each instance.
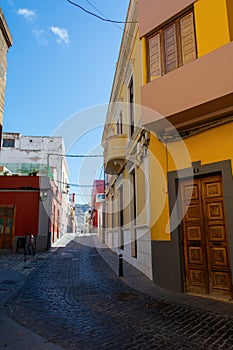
(97, 16)
(104, 18)
(116, 25)
(84, 156)
(76, 155)
(82, 195)
(77, 185)
(101, 13)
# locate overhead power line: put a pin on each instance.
(78, 185)
(77, 155)
(102, 14)
(82, 195)
(116, 25)
(97, 16)
(84, 156)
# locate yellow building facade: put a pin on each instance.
(187, 51)
(168, 159)
(125, 156)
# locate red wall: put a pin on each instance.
(98, 187)
(25, 201)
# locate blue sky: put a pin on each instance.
(62, 62)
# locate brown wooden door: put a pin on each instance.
(7, 226)
(205, 242)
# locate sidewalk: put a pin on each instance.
(138, 281)
(13, 274)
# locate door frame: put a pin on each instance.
(167, 256)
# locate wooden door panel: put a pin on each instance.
(197, 280)
(5, 241)
(221, 281)
(195, 255)
(191, 192)
(212, 189)
(7, 226)
(193, 212)
(8, 241)
(194, 233)
(195, 260)
(219, 271)
(215, 211)
(217, 231)
(205, 238)
(218, 256)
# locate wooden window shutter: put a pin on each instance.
(188, 46)
(170, 45)
(155, 57)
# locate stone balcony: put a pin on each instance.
(115, 154)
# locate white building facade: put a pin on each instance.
(41, 155)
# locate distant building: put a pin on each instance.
(41, 155)
(44, 154)
(97, 197)
(79, 214)
(5, 44)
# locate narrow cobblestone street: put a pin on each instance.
(75, 300)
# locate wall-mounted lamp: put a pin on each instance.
(67, 189)
(43, 195)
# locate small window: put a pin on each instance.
(8, 143)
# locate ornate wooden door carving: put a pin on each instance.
(205, 241)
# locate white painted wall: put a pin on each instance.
(38, 150)
(143, 262)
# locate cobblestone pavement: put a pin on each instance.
(16, 262)
(74, 300)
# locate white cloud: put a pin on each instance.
(61, 33)
(26, 13)
(40, 36)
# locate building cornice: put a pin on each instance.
(130, 34)
(5, 30)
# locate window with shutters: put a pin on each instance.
(172, 46)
